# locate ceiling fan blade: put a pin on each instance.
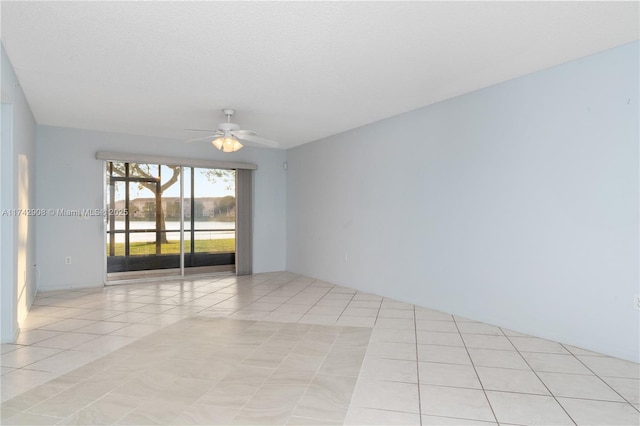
(256, 139)
(213, 136)
(240, 133)
(200, 130)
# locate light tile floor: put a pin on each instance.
(280, 348)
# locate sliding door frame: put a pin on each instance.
(244, 217)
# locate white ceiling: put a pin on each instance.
(295, 71)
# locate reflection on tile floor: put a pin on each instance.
(280, 348)
(212, 370)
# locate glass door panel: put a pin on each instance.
(138, 241)
(209, 218)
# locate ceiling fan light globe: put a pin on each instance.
(217, 143)
(227, 144)
(236, 145)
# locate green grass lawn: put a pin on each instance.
(226, 245)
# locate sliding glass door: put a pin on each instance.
(152, 208)
(209, 218)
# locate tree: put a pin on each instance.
(145, 171)
(227, 176)
(226, 204)
(173, 210)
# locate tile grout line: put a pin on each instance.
(310, 307)
(253, 301)
(316, 303)
(415, 333)
(536, 374)
(346, 306)
(601, 379)
(473, 364)
(375, 321)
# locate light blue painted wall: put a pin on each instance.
(515, 205)
(69, 177)
(8, 291)
(17, 267)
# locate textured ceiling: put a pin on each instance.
(295, 71)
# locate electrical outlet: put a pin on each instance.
(636, 301)
(67, 260)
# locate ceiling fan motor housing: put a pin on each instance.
(228, 127)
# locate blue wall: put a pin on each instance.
(515, 205)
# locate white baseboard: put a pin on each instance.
(57, 287)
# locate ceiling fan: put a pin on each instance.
(227, 137)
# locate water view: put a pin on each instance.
(205, 230)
